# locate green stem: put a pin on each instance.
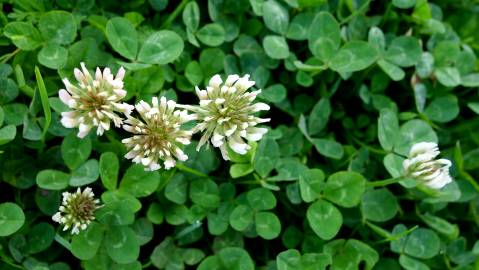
(146, 265)
(470, 179)
(465, 125)
(426, 119)
(62, 241)
(7, 57)
(12, 264)
(361, 9)
(184, 168)
(27, 90)
(174, 14)
(385, 182)
(386, 14)
(196, 224)
(163, 184)
(370, 148)
(250, 182)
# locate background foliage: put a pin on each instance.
(352, 84)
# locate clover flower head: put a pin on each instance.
(422, 165)
(225, 114)
(77, 210)
(158, 134)
(94, 102)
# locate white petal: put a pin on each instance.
(105, 125)
(86, 74)
(120, 92)
(180, 155)
(64, 96)
(202, 94)
(69, 122)
(244, 83)
(98, 75)
(260, 106)
(238, 145)
(75, 230)
(146, 161)
(224, 152)
(429, 148)
(230, 131)
(154, 166)
(231, 79)
(78, 75)
(57, 217)
(123, 107)
(182, 140)
(215, 81)
(120, 74)
(171, 104)
(255, 134)
(439, 182)
(83, 130)
(131, 155)
(70, 88)
(205, 102)
(169, 163)
(217, 139)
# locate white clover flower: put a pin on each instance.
(158, 135)
(226, 114)
(94, 101)
(77, 210)
(422, 165)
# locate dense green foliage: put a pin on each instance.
(352, 85)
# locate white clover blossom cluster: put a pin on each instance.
(77, 210)
(158, 135)
(422, 166)
(95, 102)
(225, 114)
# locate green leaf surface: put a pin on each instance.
(85, 245)
(161, 48)
(211, 34)
(58, 26)
(109, 167)
(325, 219)
(24, 35)
(379, 205)
(138, 182)
(276, 47)
(53, 56)
(261, 199)
(52, 179)
(353, 56)
(122, 37)
(12, 218)
(122, 245)
(75, 151)
(345, 188)
(267, 225)
(324, 36)
(86, 174)
(404, 51)
(311, 184)
(275, 16)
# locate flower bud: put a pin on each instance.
(422, 166)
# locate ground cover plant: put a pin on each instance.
(239, 134)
